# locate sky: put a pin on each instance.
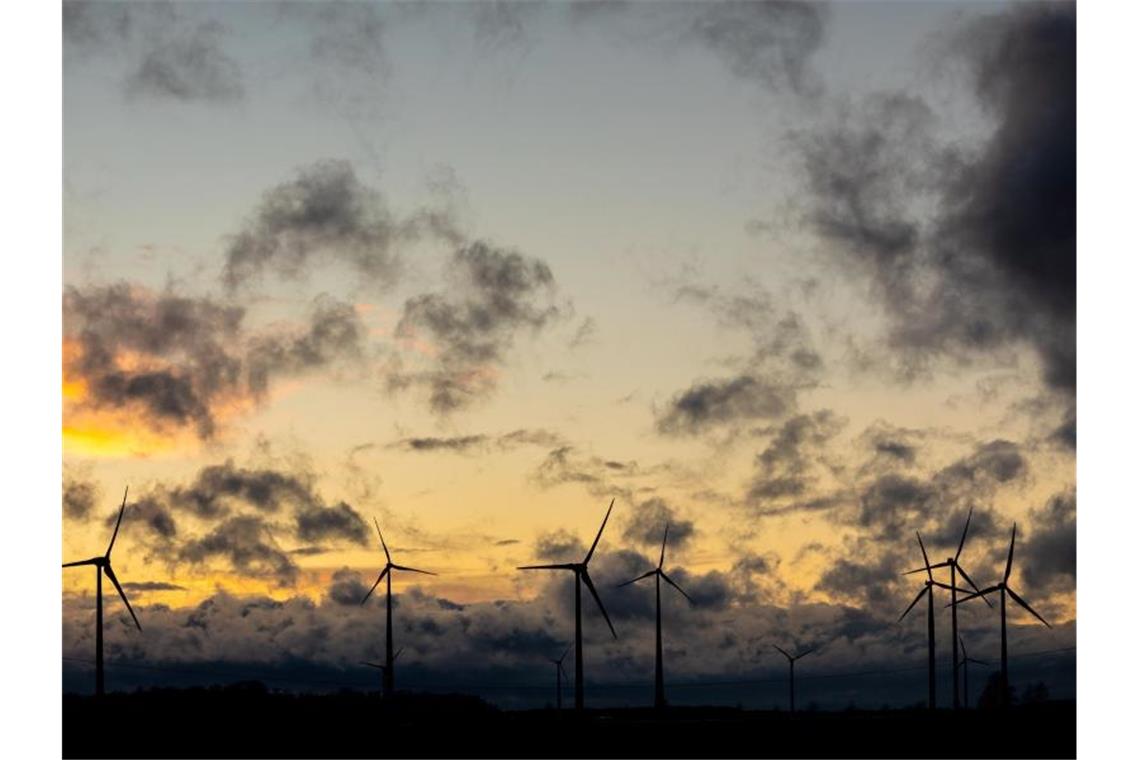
(797, 280)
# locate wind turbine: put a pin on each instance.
(955, 568)
(792, 674)
(928, 590)
(383, 667)
(103, 565)
(965, 664)
(389, 566)
(581, 574)
(658, 574)
(559, 671)
(1003, 587)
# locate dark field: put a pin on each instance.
(252, 723)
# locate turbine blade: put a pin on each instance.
(590, 585)
(911, 607)
(397, 655)
(412, 570)
(92, 561)
(923, 569)
(661, 561)
(674, 585)
(565, 566)
(382, 544)
(925, 560)
(962, 643)
(563, 657)
(117, 523)
(599, 536)
(781, 651)
(1025, 604)
(1009, 560)
(976, 594)
(948, 587)
(374, 585)
(806, 652)
(972, 584)
(111, 575)
(638, 578)
(373, 665)
(963, 541)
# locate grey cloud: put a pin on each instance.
(994, 265)
(323, 213)
(496, 294)
(191, 66)
(216, 489)
(480, 442)
(339, 521)
(769, 42)
(347, 588)
(149, 586)
(645, 524)
(788, 466)
(198, 353)
(559, 546)
(152, 514)
(78, 498)
(1050, 550)
(245, 544)
(871, 582)
(715, 402)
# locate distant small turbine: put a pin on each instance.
(389, 659)
(559, 671)
(103, 565)
(792, 674)
(1003, 587)
(965, 665)
(658, 574)
(955, 568)
(383, 668)
(581, 575)
(927, 589)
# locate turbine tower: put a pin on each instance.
(792, 674)
(658, 574)
(965, 664)
(103, 565)
(928, 591)
(955, 568)
(1003, 588)
(581, 575)
(389, 566)
(559, 671)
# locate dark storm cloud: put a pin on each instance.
(325, 213)
(711, 403)
(1049, 556)
(645, 524)
(78, 498)
(480, 442)
(496, 294)
(173, 359)
(994, 264)
(245, 544)
(788, 466)
(783, 362)
(871, 581)
(148, 586)
(192, 66)
(770, 42)
(339, 521)
(347, 588)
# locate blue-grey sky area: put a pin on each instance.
(797, 279)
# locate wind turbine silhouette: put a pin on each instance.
(792, 674)
(581, 574)
(383, 668)
(1003, 587)
(955, 568)
(965, 664)
(658, 574)
(103, 565)
(389, 566)
(559, 671)
(928, 591)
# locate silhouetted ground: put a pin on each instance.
(250, 722)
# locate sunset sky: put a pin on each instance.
(797, 279)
